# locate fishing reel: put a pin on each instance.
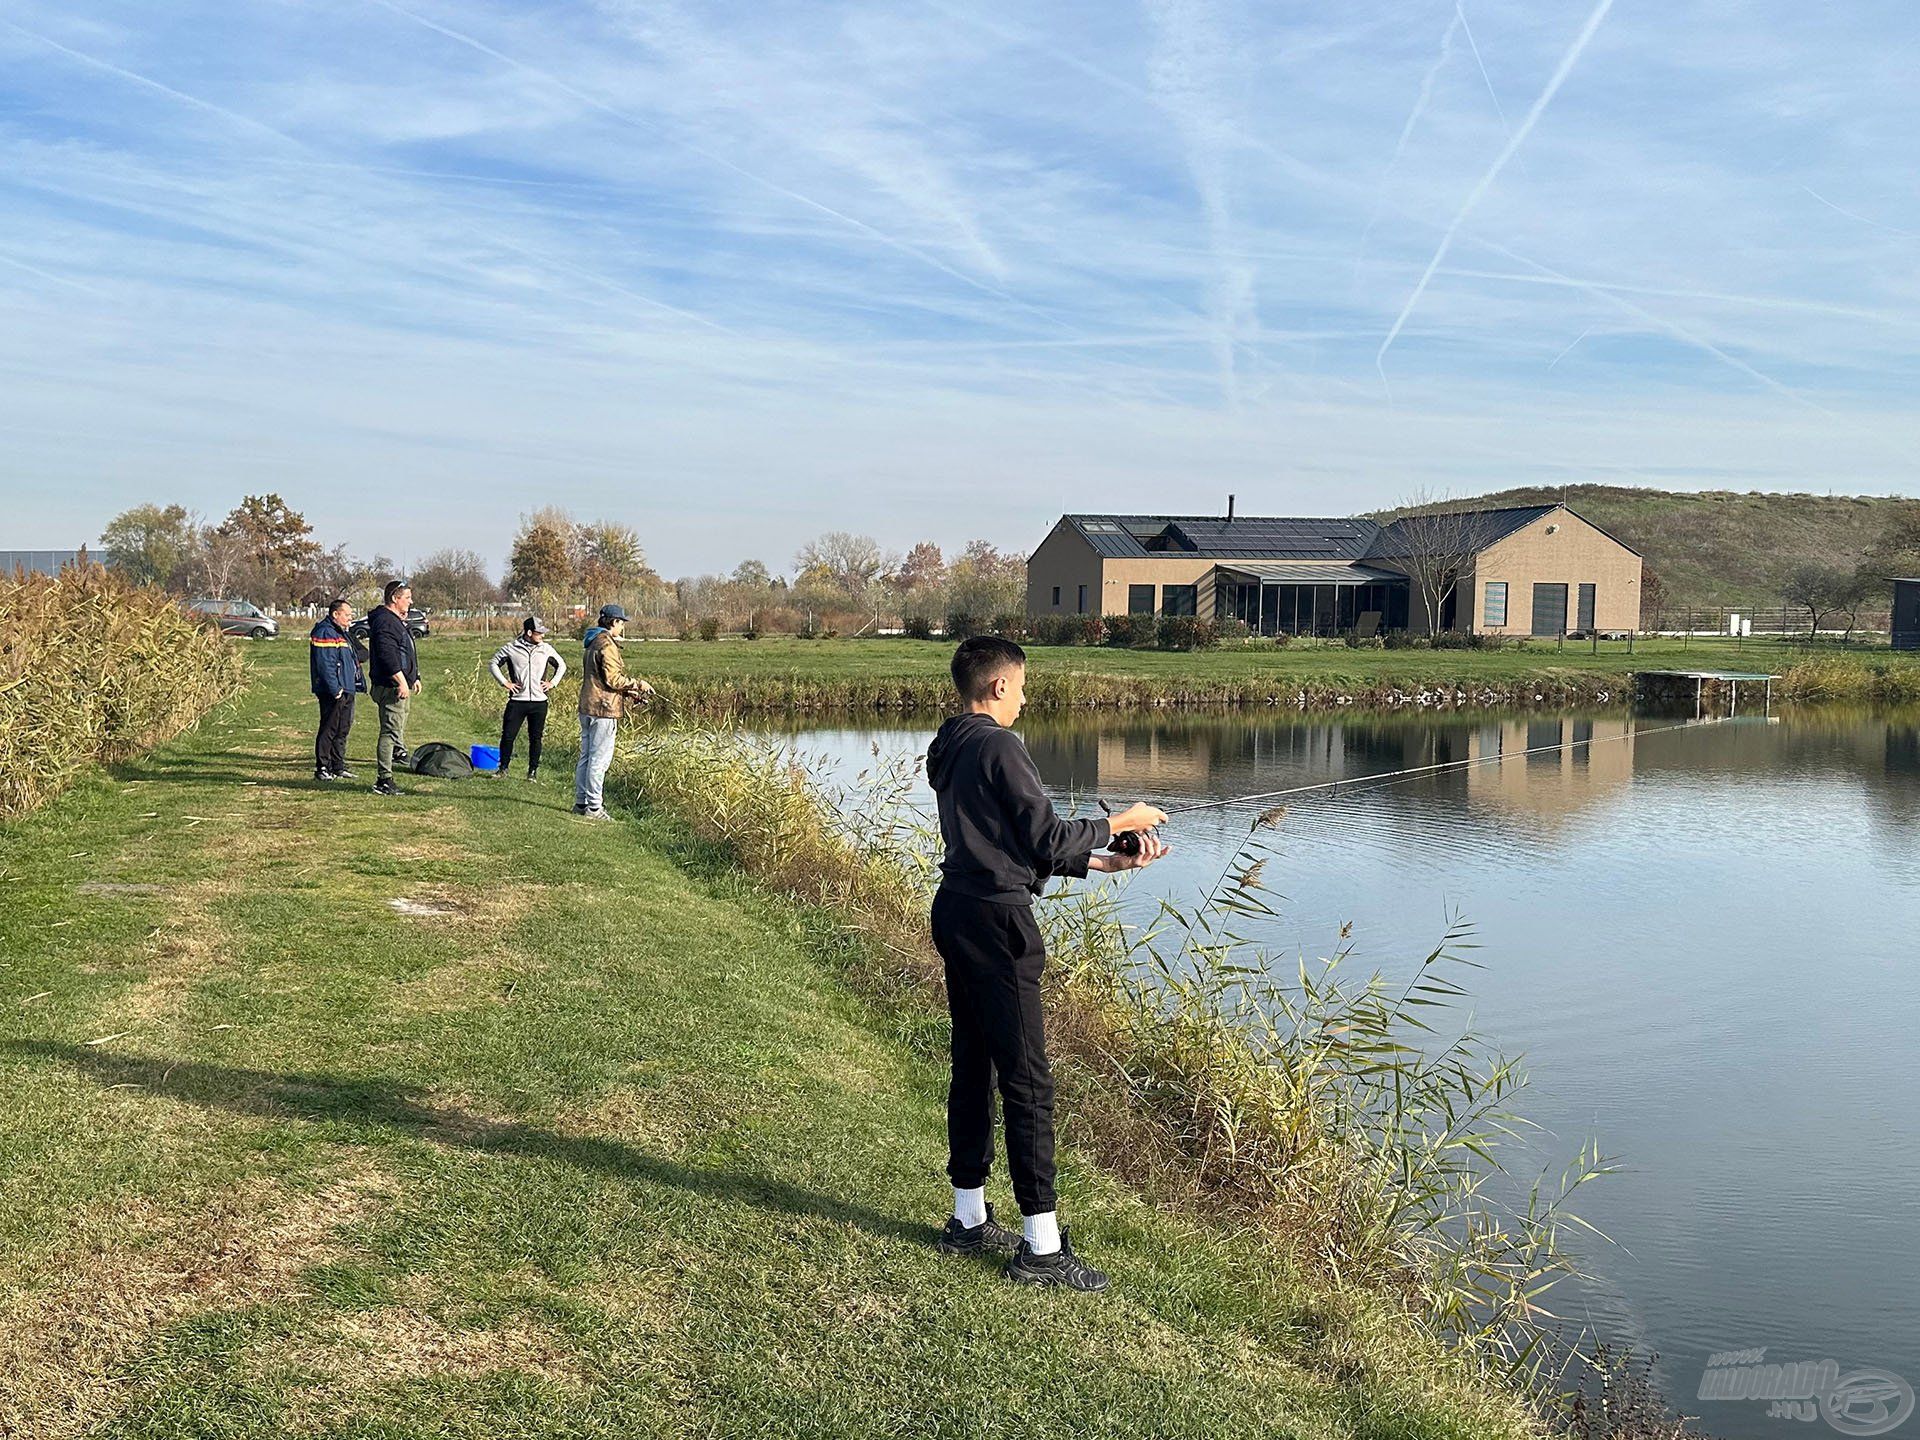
(1125, 844)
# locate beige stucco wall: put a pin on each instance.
(1558, 549)
(1064, 559)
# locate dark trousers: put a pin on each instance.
(330, 745)
(993, 956)
(534, 714)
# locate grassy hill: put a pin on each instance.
(1720, 546)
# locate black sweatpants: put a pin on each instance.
(534, 713)
(993, 955)
(330, 744)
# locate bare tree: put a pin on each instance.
(1823, 589)
(849, 563)
(1435, 546)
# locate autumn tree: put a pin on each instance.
(922, 570)
(453, 579)
(149, 544)
(985, 582)
(277, 544)
(541, 561)
(844, 562)
(610, 561)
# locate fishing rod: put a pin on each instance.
(1130, 843)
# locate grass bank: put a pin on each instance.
(787, 676)
(324, 1116)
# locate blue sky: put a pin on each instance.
(941, 268)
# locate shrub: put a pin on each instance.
(1232, 629)
(962, 626)
(1188, 632)
(919, 627)
(1011, 626)
(1356, 641)
(93, 670)
(1132, 630)
(709, 627)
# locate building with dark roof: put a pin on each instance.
(1527, 570)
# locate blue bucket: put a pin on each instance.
(485, 757)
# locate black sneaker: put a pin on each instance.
(344, 775)
(982, 1239)
(325, 775)
(402, 755)
(1063, 1267)
(533, 774)
(387, 787)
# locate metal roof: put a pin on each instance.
(1268, 537)
(1482, 528)
(1310, 573)
(1248, 537)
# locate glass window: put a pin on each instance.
(1493, 612)
(1056, 594)
(1083, 600)
(1139, 599)
(1179, 599)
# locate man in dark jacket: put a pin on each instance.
(394, 677)
(1003, 840)
(335, 675)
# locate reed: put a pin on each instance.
(93, 670)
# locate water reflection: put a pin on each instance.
(1701, 936)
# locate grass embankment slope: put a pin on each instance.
(595, 1143)
(1725, 546)
(822, 675)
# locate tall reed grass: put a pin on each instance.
(93, 670)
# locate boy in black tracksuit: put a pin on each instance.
(1003, 840)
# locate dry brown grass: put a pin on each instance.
(133, 1269)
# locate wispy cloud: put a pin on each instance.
(938, 268)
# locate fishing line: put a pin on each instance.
(1395, 777)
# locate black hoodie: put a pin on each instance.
(1003, 835)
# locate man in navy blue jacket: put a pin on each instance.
(335, 674)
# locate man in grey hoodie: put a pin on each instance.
(1003, 840)
(521, 668)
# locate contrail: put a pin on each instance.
(1841, 210)
(1420, 101)
(1474, 45)
(713, 157)
(50, 276)
(144, 82)
(1514, 142)
(1569, 350)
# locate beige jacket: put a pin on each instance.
(605, 686)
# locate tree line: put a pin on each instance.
(265, 551)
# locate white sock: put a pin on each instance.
(970, 1206)
(1043, 1232)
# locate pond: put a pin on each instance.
(1701, 936)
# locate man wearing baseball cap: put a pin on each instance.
(605, 690)
(521, 668)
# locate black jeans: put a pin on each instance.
(993, 956)
(330, 744)
(534, 713)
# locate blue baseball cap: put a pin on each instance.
(611, 612)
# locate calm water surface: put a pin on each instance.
(1703, 939)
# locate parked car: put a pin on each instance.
(416, 622)
(238, 617)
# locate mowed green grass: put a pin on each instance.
(816, 661)
(609, 1148)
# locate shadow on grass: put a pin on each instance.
(378, 1101)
